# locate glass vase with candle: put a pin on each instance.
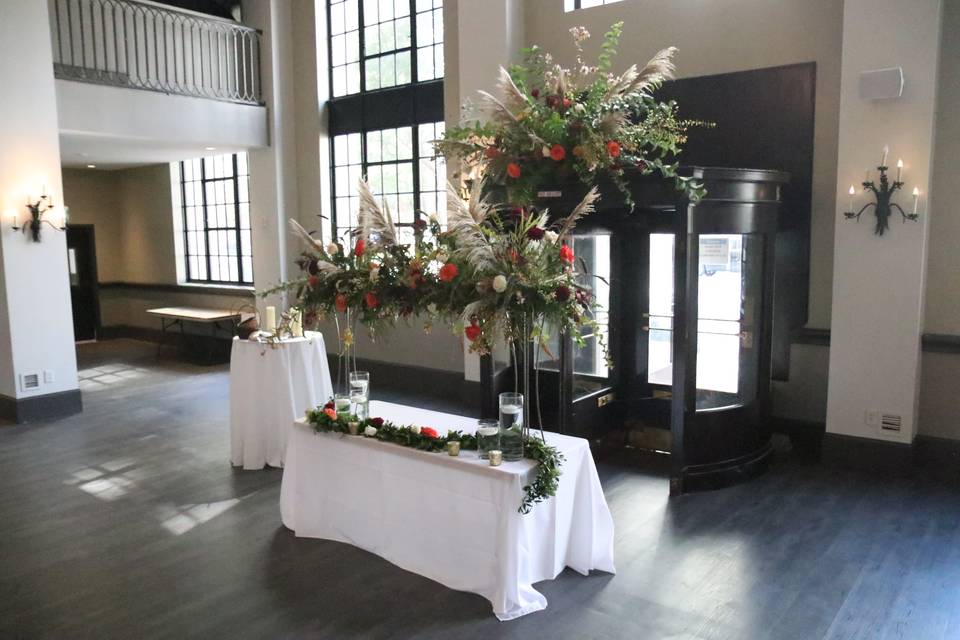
(360, 393)
(341, 404)
(511, 426)
(488, 437)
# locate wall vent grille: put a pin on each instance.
(891, 422)
(29, 381)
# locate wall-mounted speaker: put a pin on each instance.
(881, 84)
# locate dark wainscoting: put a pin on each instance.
(929, 342)
(448, 388)
(237, 292)
(49, 406)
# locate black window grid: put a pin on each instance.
(341, 200)
(217, 222)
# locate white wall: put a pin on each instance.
(878, 285)
(36, 330)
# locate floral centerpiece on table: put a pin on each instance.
(550, 123)
(548, 459)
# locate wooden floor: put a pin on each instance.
(128, 522)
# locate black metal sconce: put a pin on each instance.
(883, 206)
(35, 223)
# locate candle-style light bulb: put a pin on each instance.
(852, 192)
(899, 168)
(916, 199)
(883, 158)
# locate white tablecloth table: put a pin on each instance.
(271, 385)
(451, 519)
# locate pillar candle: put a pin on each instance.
(270, 319)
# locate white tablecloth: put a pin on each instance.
(453, 520)
(270, 387)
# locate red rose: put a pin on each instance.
(536, 233)
(566, 253)
(448, 272)
(329, 405)
(419, 224)
(370, 299)
(377, 422)
(613, 148)
(313, 282)
(473, 332)
(340, 302)
(513, 170)
(359, 248)
(492, 152)
(535, 93)
(567, 102)
(430, 432)
(641, 165)
(557, 152)
(516, 212)
(562, 293)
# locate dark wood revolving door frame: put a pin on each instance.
(687, 291)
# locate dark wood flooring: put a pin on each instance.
(128, 522)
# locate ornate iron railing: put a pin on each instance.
(143, 45)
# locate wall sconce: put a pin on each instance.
(37, 210)
(883, 206)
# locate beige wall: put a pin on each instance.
(94, 198)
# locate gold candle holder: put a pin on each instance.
(496, 457)
(354, 428)
(453, 448)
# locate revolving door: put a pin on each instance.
(686, 297)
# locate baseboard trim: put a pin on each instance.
(440, 384)
(867, 454)
(49, 406)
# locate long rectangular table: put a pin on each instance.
(451, 519)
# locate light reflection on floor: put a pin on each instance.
(104, 375)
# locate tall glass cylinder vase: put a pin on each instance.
(511, 425)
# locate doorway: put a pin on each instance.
(84, 289)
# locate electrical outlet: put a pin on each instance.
(48, 377)
(872, 418)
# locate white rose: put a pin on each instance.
(415, 430)
(432, 308)
(333, 249)
(546, 152)
(551, 236)
(374, 273)
(370, 431)
(500, 284)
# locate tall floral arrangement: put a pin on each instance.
(551, 123)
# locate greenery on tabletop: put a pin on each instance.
(326, 420)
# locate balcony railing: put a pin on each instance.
(143, 45)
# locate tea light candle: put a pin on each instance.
(453, 448)
(270, 320)
(496, 457)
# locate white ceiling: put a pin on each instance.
(79, 150)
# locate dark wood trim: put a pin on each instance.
(930, 342)
(867, 454)
(49, 406)
(200, 290)
(940, 343)
(419, 381)
(809, 335)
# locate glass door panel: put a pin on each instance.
(722, 305)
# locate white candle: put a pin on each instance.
(883, 159)
(916, 199)
(270, 320)
(852, 192)
(899, 168)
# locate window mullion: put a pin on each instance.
(206, 222)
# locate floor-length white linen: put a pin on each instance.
(271, 385)
(451, 519)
